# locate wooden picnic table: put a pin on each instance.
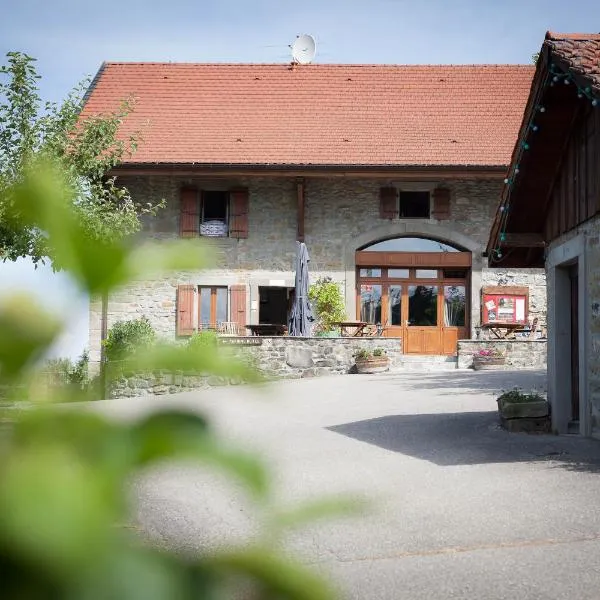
(269, 329)
(504, 330)
(346, 326)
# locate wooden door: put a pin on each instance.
(423, 327)
(425, 308)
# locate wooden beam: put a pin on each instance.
(523, 240)
(300, 190)
(420, 175)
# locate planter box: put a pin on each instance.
(488, 363)
(373, 365)
(525, 417)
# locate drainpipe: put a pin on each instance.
(103, 336)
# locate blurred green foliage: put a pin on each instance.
(326, 297)
(64, 470)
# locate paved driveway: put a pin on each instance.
(461, 509)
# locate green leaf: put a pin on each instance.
(26, 332)
(278, 577)
(322, 508)
(198, 358)
(176, 434)
(54, 508)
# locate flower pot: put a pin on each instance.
(376, 364)
(488, 363)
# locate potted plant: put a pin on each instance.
(371, 361)
(488, 359)
(524, 412)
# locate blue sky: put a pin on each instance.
(71, 39)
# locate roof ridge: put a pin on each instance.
(555, 36)
(318, 65)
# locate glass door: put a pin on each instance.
(426, 308)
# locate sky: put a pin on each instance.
(71, 39)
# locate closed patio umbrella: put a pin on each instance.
(301, 316)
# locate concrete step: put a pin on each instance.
(420, 362)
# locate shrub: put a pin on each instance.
(364, 354)
(61, 371)
(516, 396)
(202, 339)
(328, 303)
(125, 338)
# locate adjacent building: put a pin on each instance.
(549, 215)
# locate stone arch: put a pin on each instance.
(394, 229)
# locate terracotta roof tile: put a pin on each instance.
(580, 52)
(371, 115)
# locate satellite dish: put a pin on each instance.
(303, 49)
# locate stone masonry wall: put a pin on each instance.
(535, 279)
(337, 211)
(520, 354)
(273, 356)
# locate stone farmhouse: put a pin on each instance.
(551, 204)
(391, 175)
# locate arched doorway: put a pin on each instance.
(418, 289)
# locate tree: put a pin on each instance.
(326, 296)
(83, 150)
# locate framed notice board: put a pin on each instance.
(504, 305)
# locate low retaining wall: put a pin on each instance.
(520, 354)
(281, 357)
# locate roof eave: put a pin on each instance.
(173, 167)
(532, 101)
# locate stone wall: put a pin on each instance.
(535, 279)
(286, 357)
(520, 354)
(339, 211)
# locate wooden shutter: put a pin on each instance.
(388, 203)
(238, 307)
(185, 309)
(189, 217)
(238, 219)
(441, 203)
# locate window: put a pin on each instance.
(214, 216)
(410, 244)
(426, 273)
(455, 302)
(395, 305)
(414, 205)
(369, 272)
(455, 274)
(422, 305)
(212, 307)
(370, 303)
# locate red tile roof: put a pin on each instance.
(579, 51)
(346, 115)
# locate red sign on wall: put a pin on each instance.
(504, 308)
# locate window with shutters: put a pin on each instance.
(212, 307)
(415, 205)
(214, 214)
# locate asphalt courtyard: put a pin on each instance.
(459, 507)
